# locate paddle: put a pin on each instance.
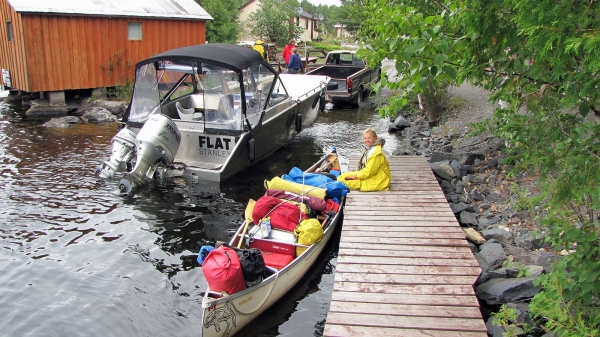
(248, 216)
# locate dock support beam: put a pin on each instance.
(57, 98)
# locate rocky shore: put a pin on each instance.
(81, 111)
(487, 203)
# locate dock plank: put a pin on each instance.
(422, 281)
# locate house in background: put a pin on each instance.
(53, 46)
(310, 24)
(341, 31)
(303, 19)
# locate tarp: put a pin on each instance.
(335, 189)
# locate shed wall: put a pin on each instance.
(80, 52)
(12, 54)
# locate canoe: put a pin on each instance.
(224, 315)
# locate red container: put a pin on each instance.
(277, 261)
(272, 246)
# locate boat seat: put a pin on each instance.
(184, 114)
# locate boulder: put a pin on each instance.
(468, 218)
(459, 207)
(399, 124)
(99, 115)
(490, 253)
(461, 158)
(62, 122)
(486, 222)
(443, 170)
(499, 291)
(498, 232)
(494, 330)
(473, 236)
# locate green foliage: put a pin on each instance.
(435, 98)
(273, 19)
(121, 92)
(327, 45)
(225, 26)
(544, 59)
(117, 65)
(507, 318)
(563, 307)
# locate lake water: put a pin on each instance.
(78, 259)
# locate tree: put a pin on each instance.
(543, 58)
(225, 26)
(274, 19)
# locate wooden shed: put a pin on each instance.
(52, 46)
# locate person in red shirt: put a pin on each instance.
(287, 51)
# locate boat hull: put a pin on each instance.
(217, 157)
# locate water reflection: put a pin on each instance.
(82, 260)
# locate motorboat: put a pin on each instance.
(226, 314)
(208, 111)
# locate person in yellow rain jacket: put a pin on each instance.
(373, 169)
(261, 46)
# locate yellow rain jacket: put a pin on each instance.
(259, 46)
(374, 176)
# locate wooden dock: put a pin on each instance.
(404, 267)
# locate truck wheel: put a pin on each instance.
(359, 97)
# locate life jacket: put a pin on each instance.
(260, 47)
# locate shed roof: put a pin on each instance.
(172, 9)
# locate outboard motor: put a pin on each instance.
(157, 143)
(123, 150)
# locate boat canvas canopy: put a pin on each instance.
(225, 55)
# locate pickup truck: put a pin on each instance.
(350, 77)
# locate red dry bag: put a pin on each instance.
(223, 271)
(283, 215)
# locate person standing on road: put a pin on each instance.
(295, 63)
(261, 47)
(287, 51)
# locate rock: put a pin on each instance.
(494, 330)
(62, 122)
(545, 259)
(99, 115)
(525, 240)
(473, 236)
(42, 108)
(476, 196)
(116, 108)
(468, 218)
(459, 207)
(399, 124)
(499, 291)
(490, 253)
(498, 232)
(485, 222)
(522, 310)
(461, 158)
(443, 170)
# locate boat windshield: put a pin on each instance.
(145, 94)
(205, 93)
